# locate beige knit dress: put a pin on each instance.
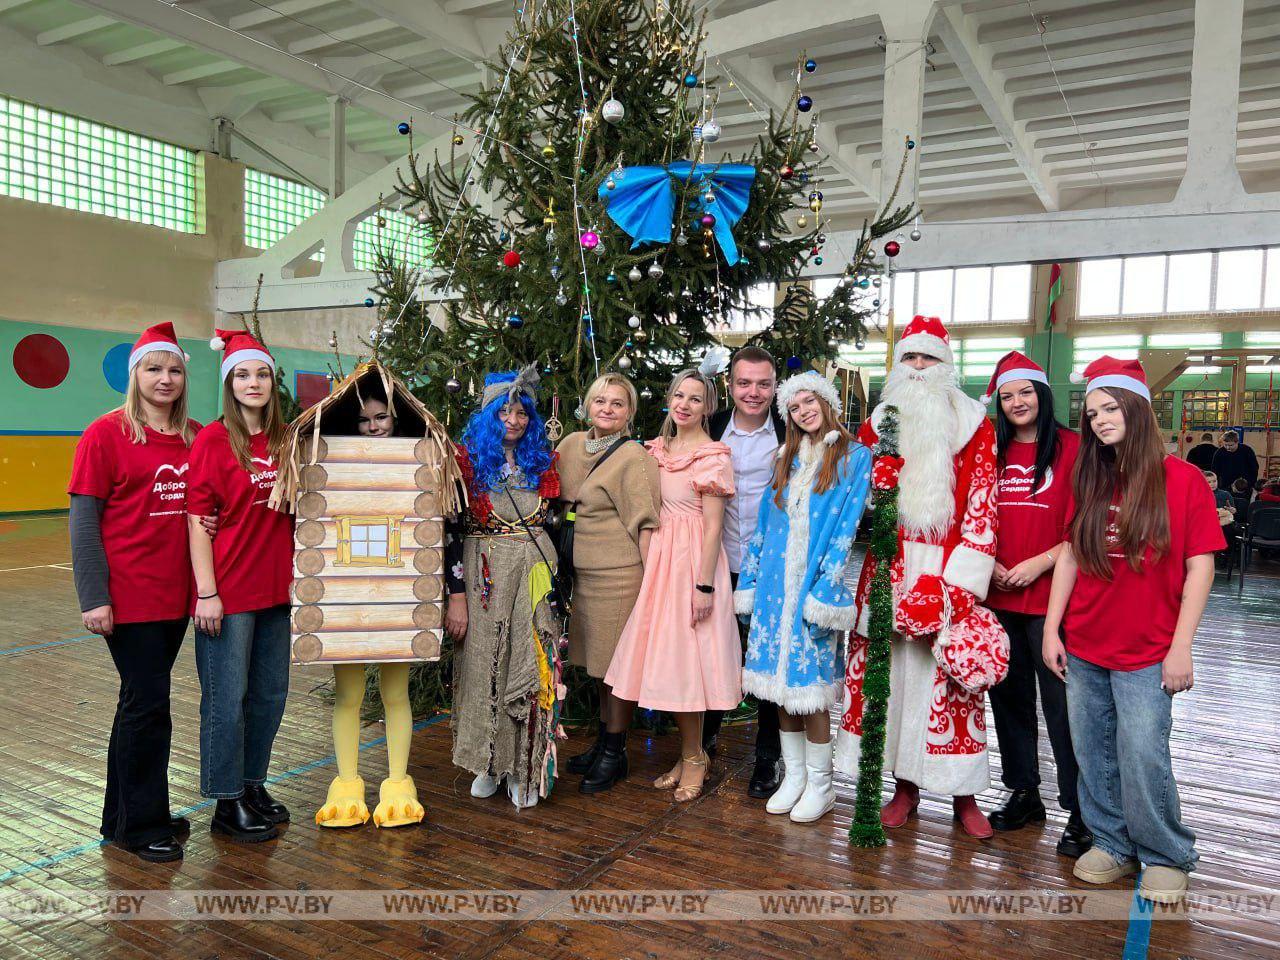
(620, 499)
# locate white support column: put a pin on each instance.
(906, 30)
(337, 147)
(1212, 178)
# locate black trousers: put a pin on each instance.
(135, 810)
(768, 741)
(1013, 702)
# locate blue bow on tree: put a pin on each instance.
(643, 200)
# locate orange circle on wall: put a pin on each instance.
(41, 361)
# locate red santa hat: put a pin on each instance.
(158, 338)
(1108, 372)
(1014, 366)
(925, 335)
(237, 346)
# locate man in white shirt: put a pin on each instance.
(753, 432)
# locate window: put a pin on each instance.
(1205, 409)
(1162, 403)
(967, 295)
(870, 358)
(763, 295)
(977, 359)
(1258, 404)
(273, 206)
(369, 541)
(53, 158)
(1085, 350)
(1262, 338)
(1181, 283)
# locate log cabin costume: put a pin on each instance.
(945, 651)
(507, 688)
(413, 479)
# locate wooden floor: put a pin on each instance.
(57, 692)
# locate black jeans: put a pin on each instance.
(135, 810)
(1013, 702)
(768, 741)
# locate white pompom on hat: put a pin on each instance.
(159, 337)
(1108, 372)
(810, 381)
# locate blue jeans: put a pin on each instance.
(1120, 723)
(244, 679)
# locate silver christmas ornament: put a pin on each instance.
(624, 363)
(915, 234)
(561, 298)
(764, 245)
(646, 394)
(453, 385)
(633, 322)
(656, 271)
(423, 217)
(711, 131)
(634, 274)
(333, 343)
(613, 111)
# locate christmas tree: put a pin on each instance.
(601, 117)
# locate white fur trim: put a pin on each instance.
(240, 356)
(828, 615)
(1076, 377)
(831, 437)
(925, 343)
(744, 602)
(1132, 384)
(969, 569)
(216, 343)
(810, 699)
(1021, 373)
(157, 346)
(813, 382)
(799, 489)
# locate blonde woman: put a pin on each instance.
(614, 486)
(242, 584)
(680, 651)
(133, 577)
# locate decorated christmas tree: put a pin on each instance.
(595, 224)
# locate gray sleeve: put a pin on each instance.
(88, 557)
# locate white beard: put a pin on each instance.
(928, 440)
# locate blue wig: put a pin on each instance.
(483, 439)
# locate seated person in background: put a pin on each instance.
(1226, 506)
(1241, 493)
(1270, 492)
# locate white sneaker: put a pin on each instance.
(819, 795)
(524, 801)
(793, 777)
(484, 786)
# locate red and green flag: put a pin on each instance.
(1055, 291)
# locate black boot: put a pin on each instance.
(765, 778)
(1022, 807)
(270, 808)
(1076, 839)
(158, 851)
(610, 765)
(239, 820)
(581, 763)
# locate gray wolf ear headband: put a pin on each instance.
(510, 384)
(812, 382)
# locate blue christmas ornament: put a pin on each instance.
(690, 79)
(368, 301)
(793, 363)
(864, 283)
(810, 65)
(403, 128)
(515, 321)
(805, 103)
(612, 277)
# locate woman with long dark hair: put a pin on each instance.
(1033, 502)
(1129, 589)
(242, 585)
(133, 576)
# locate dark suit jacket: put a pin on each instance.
(720, 423)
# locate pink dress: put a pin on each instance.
(662, 660)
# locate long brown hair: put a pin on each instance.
(273, 425)
(1134, 469)
(827, 473)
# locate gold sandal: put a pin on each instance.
(671, 778)
(689, 792)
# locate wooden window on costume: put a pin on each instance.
(369, 542)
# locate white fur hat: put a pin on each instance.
(813, 382)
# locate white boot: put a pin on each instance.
(523, 799)
(484, 786)
(793, 776)
(819, 795)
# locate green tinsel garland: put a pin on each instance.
(866, 829)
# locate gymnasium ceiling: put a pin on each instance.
(1001, 141)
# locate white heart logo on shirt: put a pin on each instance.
(176, 471)
(1027, 471)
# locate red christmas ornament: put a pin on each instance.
(511, 259)
(892, 248)
(785, 171)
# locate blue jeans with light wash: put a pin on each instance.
(244, 679)
(1120, 723)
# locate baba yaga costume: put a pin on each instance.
(793, 586)
(369, 566)
(506, 687)
(935, 458)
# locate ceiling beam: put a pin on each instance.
(959, 35)
(77, 28)
(200, 72)
(140, 51)
(772, 22)
(336, 38)
(260, 16)
(428, 18)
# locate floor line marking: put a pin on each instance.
(37, 566)
(43, 646)
(1138, 936)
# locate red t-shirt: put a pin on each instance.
(144, 520)
(1128, 623)
(1032, 522)
(253, 551)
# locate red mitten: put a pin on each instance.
(961, 602)
(884, 473)
(919, 613)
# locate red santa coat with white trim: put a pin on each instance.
(935, 734)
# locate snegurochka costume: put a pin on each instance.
(507, 688)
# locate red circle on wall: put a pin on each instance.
(41, 361)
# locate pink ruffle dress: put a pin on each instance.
(662, 660)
